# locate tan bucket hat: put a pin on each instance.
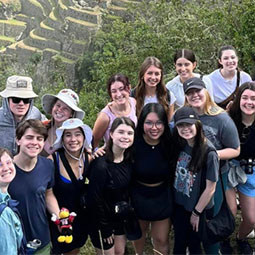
(18, 86)
(67, 96)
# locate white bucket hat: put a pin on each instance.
(69, 97)
(18, 86)
(71, 124)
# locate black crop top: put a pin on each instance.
(150, 165)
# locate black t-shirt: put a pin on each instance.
(247, 140)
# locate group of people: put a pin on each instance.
(152, 160)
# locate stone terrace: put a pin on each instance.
(55, 28)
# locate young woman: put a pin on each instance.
(219, 129)
(151, 194)
(108, 185)
(227, 78)
(122, 105)
(193, 158)
(151, 87)
(243, 113)
(61, 107)
(10, 225)
(185, 63)
(71, 161)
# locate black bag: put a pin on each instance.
(219, 227)
(131, 224)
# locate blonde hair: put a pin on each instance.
(210, 108)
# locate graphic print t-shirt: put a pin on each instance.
(187, 183)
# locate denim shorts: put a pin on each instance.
(248, 188)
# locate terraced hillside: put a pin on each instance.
(54, 28)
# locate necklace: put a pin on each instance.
(80, 159)
(149, 143)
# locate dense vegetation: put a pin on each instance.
(158, 28)
(154, 28)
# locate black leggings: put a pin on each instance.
(184, 236)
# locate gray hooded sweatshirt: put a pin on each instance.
(8, 124)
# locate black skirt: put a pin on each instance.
(152, 203)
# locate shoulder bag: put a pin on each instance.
(225, 102)
(220, 226)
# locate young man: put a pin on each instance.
(33, 183)
(17, 106)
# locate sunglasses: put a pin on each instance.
(244, 136)
(16, 100)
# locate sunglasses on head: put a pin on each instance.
(16, 100)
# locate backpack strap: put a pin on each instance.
(203, 173)
(2, 207)
(68, 168)
(168, 96)
(231, 97)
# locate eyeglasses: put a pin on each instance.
(16, 100)
(150, 124)
(245, 133)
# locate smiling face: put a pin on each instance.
(73, 140)
(196, 98)
(7, 170)
(152, 76)
(119, 93)
(153, 128)
(122, 137)
(61, 112)
(229, 60)
(184, 68)
(19, 110)
(247, 102)
(187, 131)
(31, 143)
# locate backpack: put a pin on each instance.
(12, 205)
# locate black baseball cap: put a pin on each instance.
(193, 83)
(185, 114)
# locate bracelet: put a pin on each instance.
(197, 212)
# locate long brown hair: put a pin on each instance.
(161, 91)
(235, 111)
(128, 152)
